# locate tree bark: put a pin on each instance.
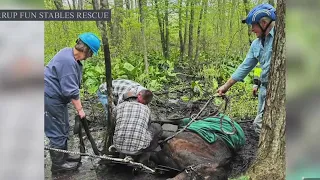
(199, 31)
(185, 28)
(103, 30)
(161, 28)
(70, 8)
(190, 45)
(80, 5)
(204, 36)
(246, 4)
(142, 4)
(58, 4)
(117, 20)
(270, 162)
(180, 32)
(166, 20)
(271, 2)
(74, 4)
(128, 4)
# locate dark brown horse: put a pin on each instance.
(196, 158)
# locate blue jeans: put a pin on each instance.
(257, 123)
(56, 122)
(104, 101)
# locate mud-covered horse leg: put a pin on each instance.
(207, 171)
(164, 159)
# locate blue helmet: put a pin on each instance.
(260, 11)
(91, 40)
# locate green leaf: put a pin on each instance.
(123, 76)
(92, 89)
(247, 79)
(185, 98)
(214, 84)
(99, 69)
(90, 73)
(128, 66)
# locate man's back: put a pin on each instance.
(131, 131)
(121, 86)
(62, 76)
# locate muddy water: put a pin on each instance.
(171, 109)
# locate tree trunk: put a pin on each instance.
(190, 46)
(271, 2)
(74, 4)
(180, 32)
(204, 36)
(270, 160)
(109, 23)
(198, 31)
(128, 4)
(246, 4)
(185, 28)
(161, 28)
(102, 27)
(70, 8)
(117, 20)
(145, 55)
(58, 4)
(232, 12)
(166, 20)
(80, 5)
(218, 23)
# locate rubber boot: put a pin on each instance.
(59, 163)
(71, 157)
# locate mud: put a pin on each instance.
(172, 110)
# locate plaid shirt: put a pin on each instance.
(131, 133)
(121, 86)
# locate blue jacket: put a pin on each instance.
(62, 76)
(257, 53)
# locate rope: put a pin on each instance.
(222, 118)
(194, 117)
(125, 160)
(192, 120)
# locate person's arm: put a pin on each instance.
(230, 83)
(224, 88)
(69, 83)
(77, 105)
(247, 65)
(242, 71)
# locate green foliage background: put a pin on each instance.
(223, 44)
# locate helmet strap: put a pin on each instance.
(263, 36)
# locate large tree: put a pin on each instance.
(270, 162)
(106, 50)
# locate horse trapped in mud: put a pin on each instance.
(204, 150)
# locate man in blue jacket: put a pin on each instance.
(262, 20)
(62, 77)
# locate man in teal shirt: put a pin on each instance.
(262, 20)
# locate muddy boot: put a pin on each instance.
(71, 157)
(59, 163)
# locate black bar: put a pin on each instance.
(55, 15)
